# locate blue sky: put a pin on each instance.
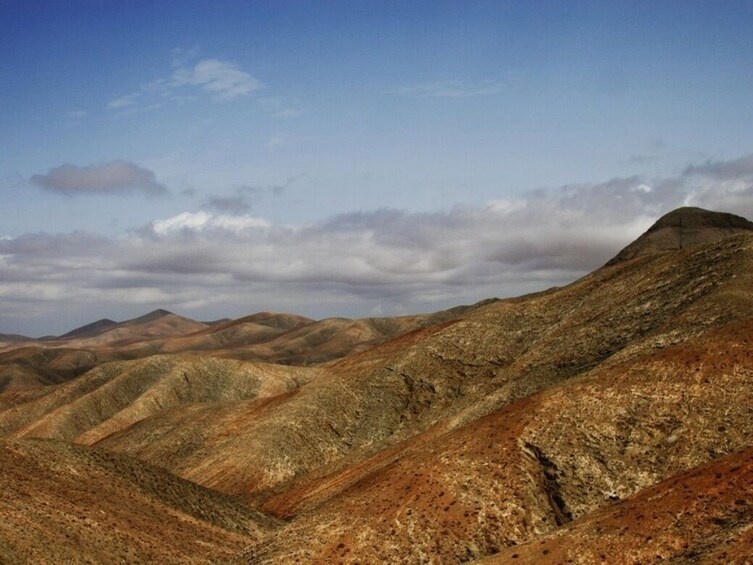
(350, 150)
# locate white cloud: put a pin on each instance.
(225, 80)
(123, 101)
(108, 178)
(274, 141)
(204, 221)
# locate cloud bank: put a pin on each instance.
(214, 264)
(109, 178)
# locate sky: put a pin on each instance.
(355, 158)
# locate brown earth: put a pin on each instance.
(68, 504)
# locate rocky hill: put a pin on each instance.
(520, 428)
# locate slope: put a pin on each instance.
(701, 516)
(116, 395)
(460, 439)
(66, 504)
(532, 466)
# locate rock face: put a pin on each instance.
(684, 228)
(520, 426)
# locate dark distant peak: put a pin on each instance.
(150, 317)
(682, 229)
(698, 218)
(15, 337)
(159, 312)
(90, 330)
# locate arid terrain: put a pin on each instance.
(610, 420)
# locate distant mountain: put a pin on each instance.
(152, 316)
(90, 330)
(14, 338)
(154, 325)
(265, 336)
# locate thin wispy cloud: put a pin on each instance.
(448, 89)
(392, 259)
(220, 80)
(229, 204)
(223, 80)
(115, 177)
(244, 198)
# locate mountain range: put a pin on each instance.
(607, 420)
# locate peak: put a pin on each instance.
(684, 228)
(159, 312)
(697, 218)
(151, 316)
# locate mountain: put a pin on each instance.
(265, 337)
(10, 338)
(610, 416)
(682, 229)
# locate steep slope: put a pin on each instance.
(66, 504)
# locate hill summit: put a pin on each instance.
(684, 228)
